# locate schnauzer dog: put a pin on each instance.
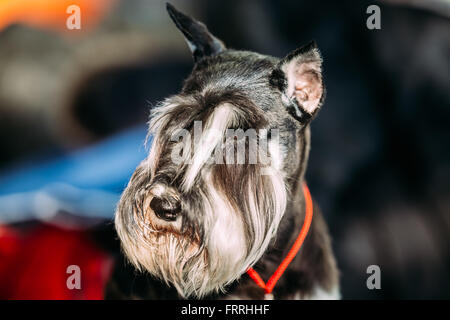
(199, 213)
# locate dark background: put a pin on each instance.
(380, 158)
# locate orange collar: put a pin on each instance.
(268, 287)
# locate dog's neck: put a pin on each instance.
(288, 230)
(293, 219)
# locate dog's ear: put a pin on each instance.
(201, 42)
(302, 85)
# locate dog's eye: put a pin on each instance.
(278, 80)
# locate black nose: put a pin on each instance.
(166, 209)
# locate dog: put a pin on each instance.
(199, 213)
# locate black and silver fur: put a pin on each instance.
(194, 227)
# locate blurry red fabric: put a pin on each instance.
(33, 265)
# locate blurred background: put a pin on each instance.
(74, 106)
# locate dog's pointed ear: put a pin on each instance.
(201, 42)
(302, 85)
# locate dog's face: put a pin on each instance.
(203, 206)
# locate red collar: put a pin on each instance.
(268, 287)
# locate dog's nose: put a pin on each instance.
(165, 209)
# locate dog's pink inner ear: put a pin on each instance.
(305, 83)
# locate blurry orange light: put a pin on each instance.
(51, 13)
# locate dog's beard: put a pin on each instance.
(233, 211)
(235, 235)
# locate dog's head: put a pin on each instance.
(226, 151)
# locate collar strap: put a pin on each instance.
(268, 287)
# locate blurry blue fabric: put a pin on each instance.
(87, 182)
